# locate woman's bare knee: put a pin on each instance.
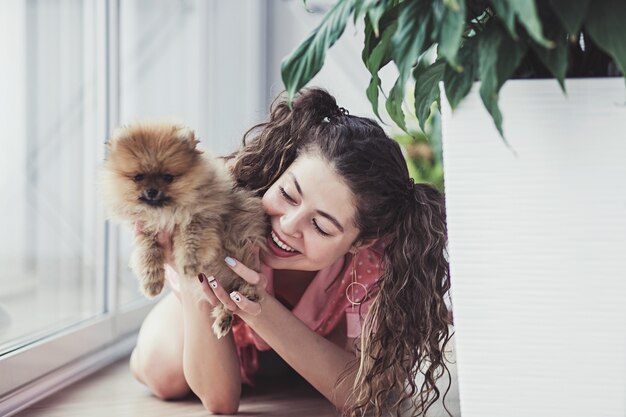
(165, 380)
(221, 405)
(134, 366)
(157, 359)
(169, 387)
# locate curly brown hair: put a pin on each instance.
(407, 328)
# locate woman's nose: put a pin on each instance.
(290, 223)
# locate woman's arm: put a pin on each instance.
(318, 360)
(210, 366)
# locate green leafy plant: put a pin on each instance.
(422, 152)
(475, 40)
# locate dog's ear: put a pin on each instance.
(118, 133)
(186, 135)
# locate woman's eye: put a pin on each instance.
(168, 178)
(319, 229)
(286, 196)
(138, 177)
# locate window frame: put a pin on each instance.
(50, 363)
(46, 365)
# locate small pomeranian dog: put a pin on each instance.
(154, 174)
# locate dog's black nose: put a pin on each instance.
(152, 193)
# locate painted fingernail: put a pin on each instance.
(213, 282)
(230, 261)
(201, 277)
(235, 296)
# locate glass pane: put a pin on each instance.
(49, 219)
(159, 74)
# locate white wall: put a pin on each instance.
(537, 243)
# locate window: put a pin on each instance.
(50, 249)
(72, 70)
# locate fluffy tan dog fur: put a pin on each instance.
(154, 174)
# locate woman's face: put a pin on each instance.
(312, 217)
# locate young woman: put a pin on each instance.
(354, 283)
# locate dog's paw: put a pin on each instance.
(222, 325)
(248, 291)
(223, 321)
(153, 282)
(253, 297)
(191, 270)
(153, 288)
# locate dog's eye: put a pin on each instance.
(138, 177)
(168, 178)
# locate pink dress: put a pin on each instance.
(322, 306)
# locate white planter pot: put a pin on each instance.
(538, 249)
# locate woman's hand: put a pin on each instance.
(235, 301)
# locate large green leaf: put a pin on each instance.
(374, 10)
(555, 59)
(394, 103)
(498, 55)
(369, 42)
(409, 39)
(526, 13)
(571, 13)
(379, 12)
(458, 84)
(372, 94)
(376, 13)
(606, 24)
(388, 24)
(361, 7)
(450, 22)
(505, 12)
(378, 58)
(427, 80)
(298, 68)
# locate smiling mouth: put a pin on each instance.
(280, 248)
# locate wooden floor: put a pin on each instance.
(114, 392)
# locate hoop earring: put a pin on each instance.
(354, 287)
